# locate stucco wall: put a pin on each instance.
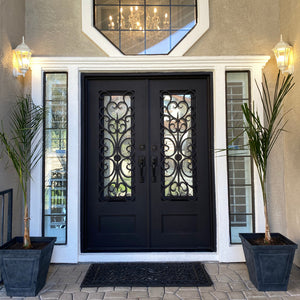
(12, 21)
(53, 28)
(289, 26)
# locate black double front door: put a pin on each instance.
(147, 173)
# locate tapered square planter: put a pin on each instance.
(24, 271)
(269, 266)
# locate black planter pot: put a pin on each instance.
(24, 271)
(269, 266)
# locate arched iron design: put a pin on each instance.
(116, 167)
(178, 159)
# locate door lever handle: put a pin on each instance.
(142, 165)
(154, 165)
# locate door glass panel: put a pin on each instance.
(178, 165)
(116, 147)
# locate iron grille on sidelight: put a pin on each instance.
(55, 156)
(145, 26)
(178, 165)
(241, 216)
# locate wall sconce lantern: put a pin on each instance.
(22, 58)
(284, 56)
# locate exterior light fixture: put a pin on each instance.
(21, 60)
(284, 56)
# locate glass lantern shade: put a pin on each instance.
(282, 53)
(23, 58)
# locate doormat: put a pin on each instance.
(146, 274)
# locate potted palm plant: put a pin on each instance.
(24, 261)
(269, 257)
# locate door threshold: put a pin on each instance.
(148, 257)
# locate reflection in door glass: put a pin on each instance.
(116, 147)
(178, 159)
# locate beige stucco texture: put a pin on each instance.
(289, 25)
(53, 28)
(12, 21)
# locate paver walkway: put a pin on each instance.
(231, 281)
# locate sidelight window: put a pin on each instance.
(55, 156)
(240, 186)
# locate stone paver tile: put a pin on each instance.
(207, 296)
(139, 288)
(123, 288)
(95, 296)
(223, 268)
(244, 275)
(294, 289)
(212, 268)
(138, 294)
(66, 297)
(48, 286)
(50, 295)
(81, 277)
(258, 298)
(188, 288)
(171, 289)
(89, 289)
(58, 288)
(170, 297)
(254, 294)
(234, 276)
(80, 296)
(236, 295)
(223, 278)
(152, 298)
(156, 291)
(116, 294)
(72, 288)
(67, 279)
(238, 267)
(206, 289)
(186, 294)
(277, 294)
(82, 267)
(222, 287)
(291, 298)
(219, 295)
(29, 298)
(105, 289)
(238, 286)
(250, 285)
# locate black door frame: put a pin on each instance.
(132, 76)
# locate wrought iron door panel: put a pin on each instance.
(147, 165)
(117, 128)
(182, 208)
(114, 207)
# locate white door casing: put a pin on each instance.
(70, 253)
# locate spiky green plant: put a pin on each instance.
(262, 135)
(22, 145)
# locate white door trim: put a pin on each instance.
(70, 253)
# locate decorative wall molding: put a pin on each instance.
(71, 252)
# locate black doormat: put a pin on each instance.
(146, 274)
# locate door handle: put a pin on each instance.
(142, 165)
(154, 165)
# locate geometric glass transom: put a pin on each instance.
(145, 26)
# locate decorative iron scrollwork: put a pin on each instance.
(117, 149)
(178, 157)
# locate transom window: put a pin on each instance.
(145, 26)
